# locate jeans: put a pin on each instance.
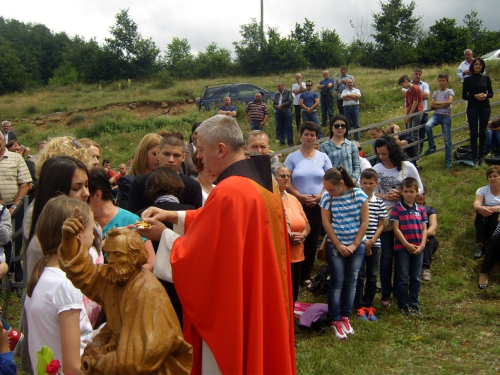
(284, 126)
(414, 122)
(313, 215)
(367, 280)
(313, 116)
(340, 106)
(351, 112)
(255, 125)
(298, 111)
(386, 256)
(326, 103)
(343, 278)
(430, 249)
(421, 131)
(492, 141)
(475, 116)
(445, 123)
(408, 266)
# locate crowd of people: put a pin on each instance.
(192, 194)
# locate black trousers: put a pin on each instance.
(313, 215)
(492, 254)
(485, 226)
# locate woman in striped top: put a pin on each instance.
(344, 213)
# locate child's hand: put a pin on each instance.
(368, 251)
(4, 341)
(418, 249)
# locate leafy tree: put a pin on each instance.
(397, 33)
(179, 59)
(444, 44)
(64, 75)
(13, 75)
(250, 53)
(137, 56)
(214, 62)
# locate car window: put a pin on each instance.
(248, 90)
(217, 92)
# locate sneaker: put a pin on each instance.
(415, 311)
(370, 313)
(346, 325)
(430, 151)
(426, 275)
(385, 301)
(337, 329)
(361, 313)
(448, 167)
(15, 338)
(479, 252)
(406, 311)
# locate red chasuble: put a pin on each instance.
(231, 270)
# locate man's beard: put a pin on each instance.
(120, 276)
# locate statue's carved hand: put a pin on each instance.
(71, 228)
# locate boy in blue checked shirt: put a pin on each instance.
(365, 291)
(410, 230)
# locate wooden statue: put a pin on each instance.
(142, 334)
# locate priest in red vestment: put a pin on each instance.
(231, 266)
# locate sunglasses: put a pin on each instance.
(338, 126)
(308, 85)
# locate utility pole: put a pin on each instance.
(262, 21)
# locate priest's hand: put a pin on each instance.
(160, 215)
(154, 233)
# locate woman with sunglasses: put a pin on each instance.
(339, 149)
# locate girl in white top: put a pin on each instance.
(54, 307)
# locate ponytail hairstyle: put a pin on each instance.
(336, 175)
(49, 233)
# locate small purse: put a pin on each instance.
(322, 250)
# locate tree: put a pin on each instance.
(138, 56)
(214, 62)
(178, 58)
(444, 43)
(13, 74)
(250, 50)
(397, 34)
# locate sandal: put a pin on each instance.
(483, 280)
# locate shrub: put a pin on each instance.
(164, 80)
(64, 75)
(31, 109)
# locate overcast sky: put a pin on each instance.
(206, 21)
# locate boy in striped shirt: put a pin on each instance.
(410, 230)
(366, 287)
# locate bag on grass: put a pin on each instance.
(463, 155)
(321, 282)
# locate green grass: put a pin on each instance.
(458, 333)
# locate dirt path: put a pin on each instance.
(139, 110)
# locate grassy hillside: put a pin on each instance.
(458, 333)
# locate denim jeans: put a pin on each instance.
(343, 278)
(445, 122)
(492, 141)
(255, 125)
(414, 122)
(478, 116)
(326, 103)
(314, 118)
(386, 256)
(351, 112)
(366, 287)
(408, 266)
(284, 126)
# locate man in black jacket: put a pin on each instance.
(171, 155)
(282, 103)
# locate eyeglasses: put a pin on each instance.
(285, 175)
(338, 126)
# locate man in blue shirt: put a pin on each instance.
(326, 86)
(227, 109)
(309, 101)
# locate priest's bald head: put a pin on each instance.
(219, 143)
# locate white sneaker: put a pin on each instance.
(337, 329)
(346, 325)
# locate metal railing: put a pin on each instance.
(393, 120)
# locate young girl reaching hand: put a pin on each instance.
(344, 213)
(54, 307)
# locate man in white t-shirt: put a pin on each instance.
(298, 88)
